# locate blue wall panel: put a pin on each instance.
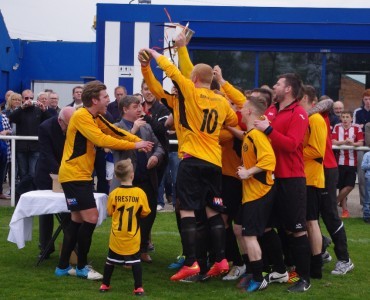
(250, 22)
(9, 63)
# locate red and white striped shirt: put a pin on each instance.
(347, 157)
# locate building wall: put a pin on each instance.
(123, 29)
(351, 93)
(9, 63)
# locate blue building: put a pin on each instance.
(251, 44)
(38, 64)
(328, 47)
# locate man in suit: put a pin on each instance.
(145, 164)
(51, 140)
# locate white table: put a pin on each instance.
(43, 202)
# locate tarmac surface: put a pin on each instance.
(354, 206)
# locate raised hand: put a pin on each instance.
(137, 124)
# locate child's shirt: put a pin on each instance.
(347, 157)
(257, 151)
(126, 205)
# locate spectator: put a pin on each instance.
(76, 95)
(119, 92)
(348, 134)
(361, 116)
(334, 117)
(43, 97)
(145, 165)
(5, 129)
(366, 206)
(13, 102)
(51, 140)
(156, 114)
(54, 101)
(28, 117)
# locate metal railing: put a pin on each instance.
(12, 139)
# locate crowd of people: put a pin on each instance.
(252, 172)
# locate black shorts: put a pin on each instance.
(347, 176)
(313, 203)
(199, 185)
(232, 194)
(291, 203)
(256, 215)
(118, 259)
(79, 195)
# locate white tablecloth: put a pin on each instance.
(43, 202)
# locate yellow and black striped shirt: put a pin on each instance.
(83, 134)
(126, 204)
(257, 152)
(202, 113)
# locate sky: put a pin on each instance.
(72, 20)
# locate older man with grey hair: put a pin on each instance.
(52, 135)
(54, 101)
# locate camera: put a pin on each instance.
(34, 102)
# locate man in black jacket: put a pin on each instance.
(51, 141)
(28, 117)
(156, 115)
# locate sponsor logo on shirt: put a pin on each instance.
(218, 201)
(298, 226)
(72, 201)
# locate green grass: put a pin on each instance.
(20, 278)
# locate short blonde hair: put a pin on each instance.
(203, 72)
(123, 168)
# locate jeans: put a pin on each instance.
(27, 163)
(174, 162)
(366, 206)
(361, 176)
(172, 168)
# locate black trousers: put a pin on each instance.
(329, 214)
(146, 223)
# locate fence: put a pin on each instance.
(35, 138)
(12, 139)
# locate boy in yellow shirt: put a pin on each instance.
(256, 174)
(125, 204)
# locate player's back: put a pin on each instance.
(202, 116)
